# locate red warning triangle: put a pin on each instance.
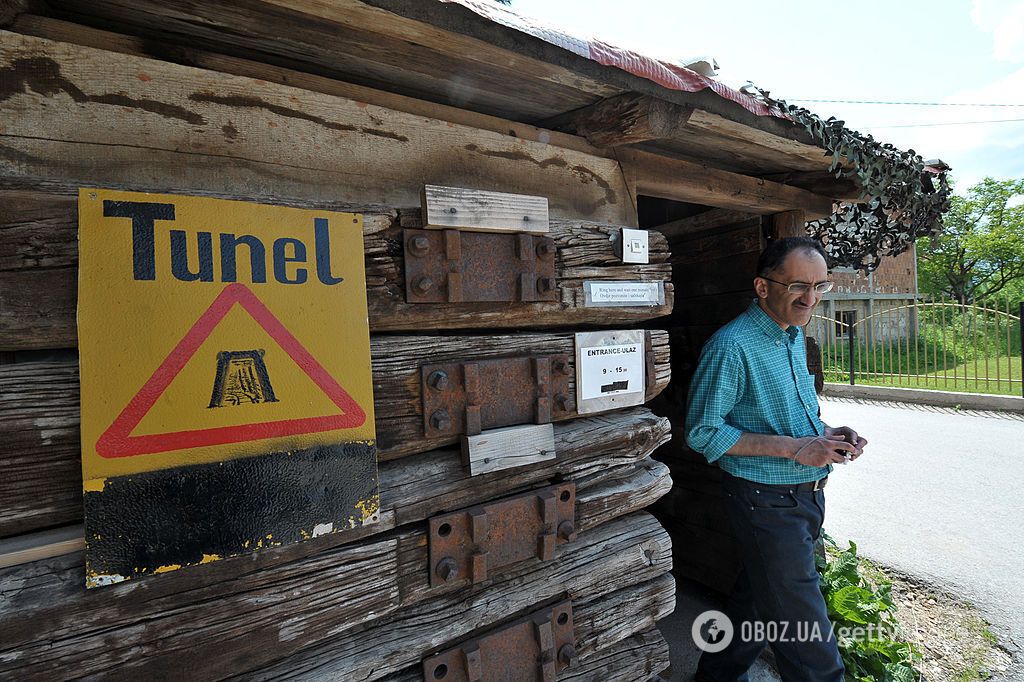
(116, 441)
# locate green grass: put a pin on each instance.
(960, 377)
(953, 351)
(929, 365)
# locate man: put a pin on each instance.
(753, 411)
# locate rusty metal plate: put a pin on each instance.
(534, 648)
(468, 397)
(452, 266)
(474, 542)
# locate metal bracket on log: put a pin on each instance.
(535, 647)
(468, 544)
(453, 266)
(468, 397)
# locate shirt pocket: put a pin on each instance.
(808, 396)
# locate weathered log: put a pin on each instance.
(625, 119)
(268, 607)
(352, 38)
(637, 657)
(39, 277)
(381, 648)
(615, 637)
(257, 67)
(42, 485)
(39, 412)
(85, 116)
(41, 458)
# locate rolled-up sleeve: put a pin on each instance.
(717, 386)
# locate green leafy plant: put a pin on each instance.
(863, 609)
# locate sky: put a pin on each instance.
(941, 51)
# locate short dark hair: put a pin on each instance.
(775, 253)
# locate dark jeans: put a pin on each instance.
(776, 529)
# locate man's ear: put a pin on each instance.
(761, 287)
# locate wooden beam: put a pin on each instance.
(45, 544)
(76, 34)
(702, 222)
(625, 119)
(40, 413)
(820, 182)
(812, 157)
(680, 180)
(185, 128)
(789, 224)
(39, 272)
(360, 606)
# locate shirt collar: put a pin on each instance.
(767, 325)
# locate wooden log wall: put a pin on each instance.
(39, 279)
(349, 605)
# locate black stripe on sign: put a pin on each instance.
(161, 520)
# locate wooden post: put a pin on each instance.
(789, 224)
(851, 334)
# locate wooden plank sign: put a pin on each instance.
(226, 393)
(469, 209)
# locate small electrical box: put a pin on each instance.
(634, 246)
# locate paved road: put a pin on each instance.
(940, 495)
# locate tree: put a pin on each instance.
(980, 252)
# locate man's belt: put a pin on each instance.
(808, 487)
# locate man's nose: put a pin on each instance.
(810, 298)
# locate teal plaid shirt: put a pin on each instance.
(753, 377)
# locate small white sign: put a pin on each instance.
(624, 294)
(610, 370)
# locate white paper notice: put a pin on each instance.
(624, 293)
(611, 370)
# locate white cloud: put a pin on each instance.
(1004, 19)
(973, 151)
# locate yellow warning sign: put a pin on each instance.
(211, 330)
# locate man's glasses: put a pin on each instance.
(800, 288)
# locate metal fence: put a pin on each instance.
(936, 344)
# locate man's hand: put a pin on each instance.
(817, 451)
(847, 435)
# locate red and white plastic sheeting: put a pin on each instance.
(665, 74)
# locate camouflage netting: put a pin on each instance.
(903, 198)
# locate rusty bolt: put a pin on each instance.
(419, 245)
(447, 569)
(440, 420)
(564, 403)
(567, 531)
(560, 367)
(545, 284)
(545, 248)
(438, 380)
(423, 285)
(567, 655)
